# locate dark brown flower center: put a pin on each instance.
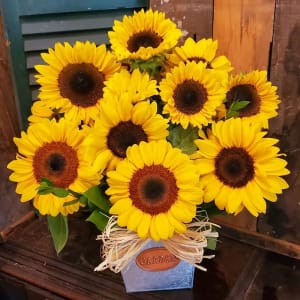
(143, 39)
(197, 59)
(123, 135)
(81, 83)
(57, 162)
(234, 167)
(190, 97)
(153, 189)
(244, 92)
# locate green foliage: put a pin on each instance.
(58, 227)
(235, 107)
(71, 202)
(183, 138)
(152, 66)
(97, 198)
(83, 200)
(99, 219)
(47, 187)
(211, 243)
(60, 192)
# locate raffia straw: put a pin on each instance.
(120, 244)
(189, 246)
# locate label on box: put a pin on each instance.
(156, 259)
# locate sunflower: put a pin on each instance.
(192, 93)
(138, 85)
(204, 50)
(155, 190)
(261, 94)
(240, 167)
(41, 112)
(52, 150)
(144, 35)
(121, 125)
(73, 78)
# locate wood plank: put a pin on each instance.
(260, 240)
(194, 17)
(10, 206)
(9, 120)
(244, 31)
(282, 220)
(278, 278)
(33, 261)
(248, 275)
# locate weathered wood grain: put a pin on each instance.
(33, 261)
(244, 33)
(283, 218)
(9, 122)
(194, 17)
(278, 279)
(244, 30)
(11, 209)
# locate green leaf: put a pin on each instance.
(232, 114)
(45, 187)
(152, 66)
(83, 200)
(71, 202)
(97, 197)
(238, 105)
(235, 107)
(98, 219)
(60, 192)
(44, 191)
(46, 182)
(211, 243)
(58, 227)
(183, 138)
(91, 205)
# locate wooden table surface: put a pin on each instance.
(238, 271)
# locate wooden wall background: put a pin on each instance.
(9, 122)
(258, 34)
(254, 34)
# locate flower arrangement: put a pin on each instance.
(150, 137)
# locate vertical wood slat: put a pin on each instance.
(244, 30)
(283, 218)
(9, 123)
(193, 17)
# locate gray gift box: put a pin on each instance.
(154, 268)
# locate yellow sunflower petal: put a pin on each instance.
(134, 219)
(124, 217)
(120, 206)
(144, 225)
(179, 226)
(162, 226)
(153, 231)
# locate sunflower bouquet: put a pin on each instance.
(150, 137)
